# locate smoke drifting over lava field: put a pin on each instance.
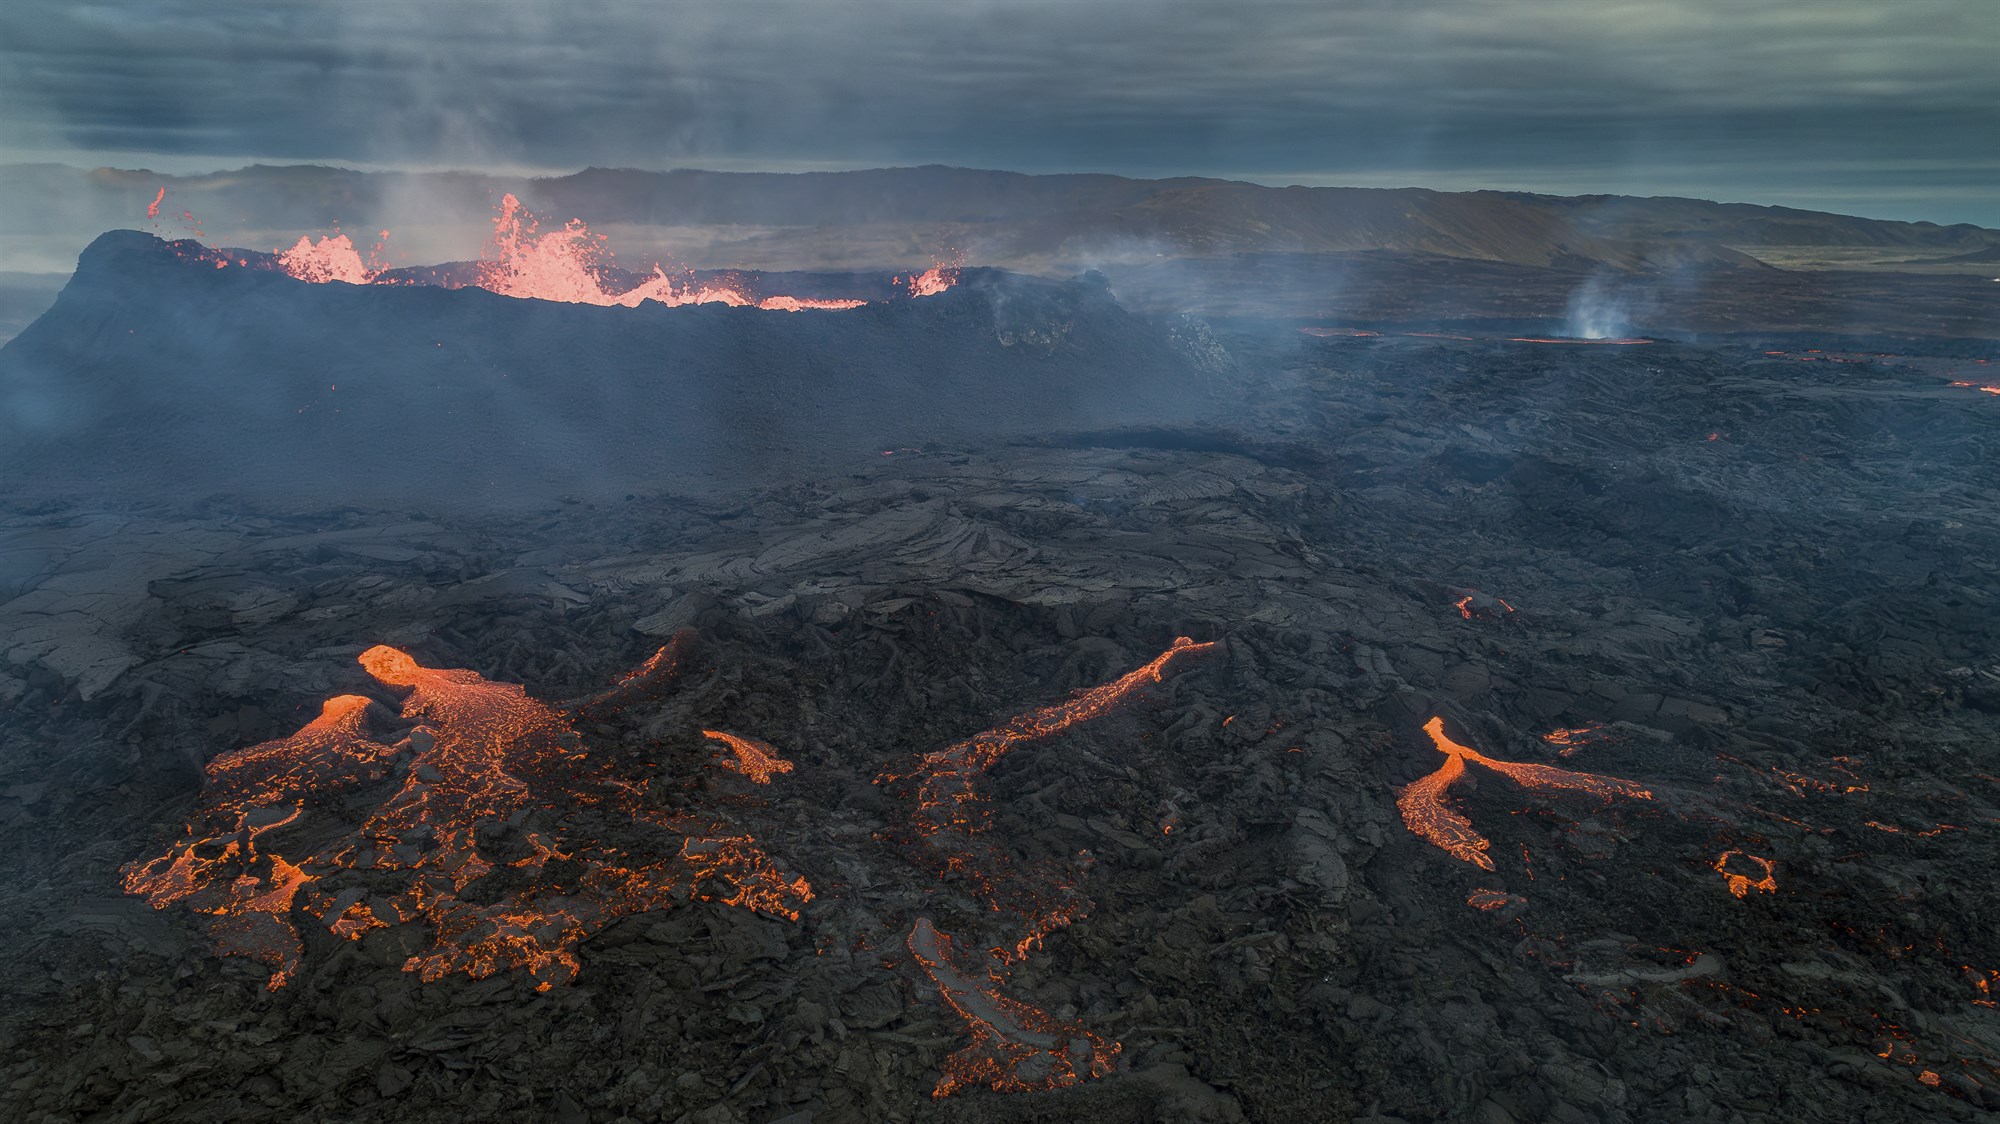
(1375, 657)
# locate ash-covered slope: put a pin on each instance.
(157, 374)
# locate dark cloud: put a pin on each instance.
(1847, 104)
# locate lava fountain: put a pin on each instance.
(570, 264)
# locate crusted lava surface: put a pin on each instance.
(1459, 730)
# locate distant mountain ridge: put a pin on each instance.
(894, 217)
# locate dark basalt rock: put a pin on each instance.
(160, 374)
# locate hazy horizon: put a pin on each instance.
(1840, 106)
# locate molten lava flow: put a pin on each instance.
(1572, 741)
(1984, 388)
(947, 797)
(481, 840)
(1422, 802)
(1741, 884)
(226, 869)
(1015, 1048)
(153, 208)
(754, 759)
(660, 671)
(942, 275)
(746, 876)
(1487, 901)
(1424, 812)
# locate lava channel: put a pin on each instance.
(1425, 812)
(1015, 1048)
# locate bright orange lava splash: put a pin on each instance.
(754, 759)
(567, 265)
(942, 275)
(332, 258)
(1741, 884)
(1015, 1048)
(1424, 811)
(475, 843)
(153, 208)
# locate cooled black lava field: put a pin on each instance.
(1705, 828)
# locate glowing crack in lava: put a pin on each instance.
(499, 834)
(1015, 1048)
(1572, 740)
(754, 759)
(1740, 885)
(1476, 606)
(1486, 901)
(1424, 811)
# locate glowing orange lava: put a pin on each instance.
(754, 759)
(569, 264)
(1741, 884)
(1574, 740)
(477, 841)
(225, 869)
(1983, 388)
(1421, 803)
(1476, 606)
(153, 208)
(1424, 811)
(1486, 900)
(1015, 1048)
(942, 275)
(332, 258)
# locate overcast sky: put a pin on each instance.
(1877, 107)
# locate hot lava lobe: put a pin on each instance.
(494, 832)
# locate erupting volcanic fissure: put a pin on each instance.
(569, 264)
(501, 836)
(1424, 811)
